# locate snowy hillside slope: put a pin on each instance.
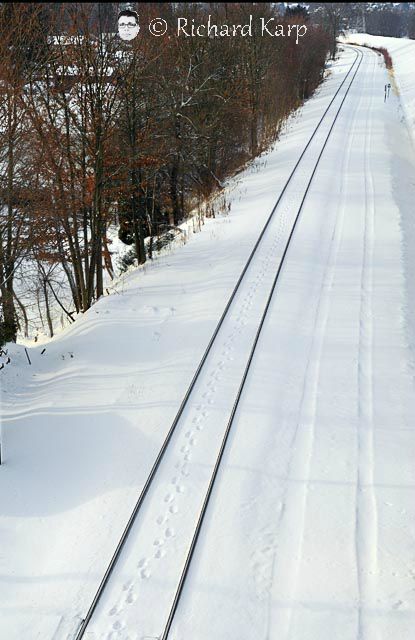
(402, 51)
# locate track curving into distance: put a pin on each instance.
(84, 624)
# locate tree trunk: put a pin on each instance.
(48, 316)
(174, 195)
(8, 325)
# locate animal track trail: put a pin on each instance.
(164, 533)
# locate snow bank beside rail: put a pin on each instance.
(402, 51)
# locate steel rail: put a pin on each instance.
(203, 510)
(85, 621)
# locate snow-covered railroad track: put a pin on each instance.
(150, 564)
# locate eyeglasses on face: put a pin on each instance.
(127, 25)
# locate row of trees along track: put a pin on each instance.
(96, 132)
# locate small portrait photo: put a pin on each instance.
(128, 26)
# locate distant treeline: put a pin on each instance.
(96, 132)
(393, 19)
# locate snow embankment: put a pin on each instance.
(402, 51)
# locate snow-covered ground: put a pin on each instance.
(402, 51)
(310, 534)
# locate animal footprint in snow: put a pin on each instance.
(118, 625)
(180, 488)
(127, 585)
(189, 434)
(174, 508)
(113, 611)
(160, 553)
(158, 542)
(145, 573)
(161, 519)
(192, 441)
(169, 533)
(185, 472)
(132, 597)
(185, 449)
(169, 497)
